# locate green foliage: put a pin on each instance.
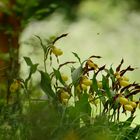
(76, 55)
(66, 109)
(76, 73)
(46, 84)
(57, 74)
(33, 68)
(39, 9)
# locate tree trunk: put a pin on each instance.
(9, 48)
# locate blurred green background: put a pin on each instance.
(109, 28)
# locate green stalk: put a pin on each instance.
(45, 63)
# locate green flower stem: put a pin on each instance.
(45, 63)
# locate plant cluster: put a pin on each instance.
(69, 109)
